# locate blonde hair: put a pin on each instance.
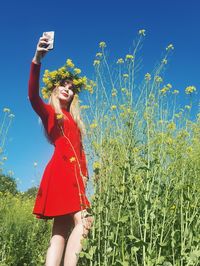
(74, 109)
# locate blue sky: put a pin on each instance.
(79, 26)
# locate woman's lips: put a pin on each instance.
(65, 94)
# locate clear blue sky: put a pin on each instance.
(79, 27)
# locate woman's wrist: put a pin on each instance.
(36, 59)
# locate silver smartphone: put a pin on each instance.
(50, 36)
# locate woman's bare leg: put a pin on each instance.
(61, 226)
(74, 246)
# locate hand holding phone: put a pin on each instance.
(50, 36)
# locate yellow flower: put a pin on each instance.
(96, 62)
(142, 32)
(94, 125)
(125, 76)
(98, 54)
(102, 44)
(187, 107)
(72, 159)
(169, 140)
(171, 126)
(6, 110)
(190, 89)
(113, 107)
(170, 47)
(96, 165)
(135, 150)
(69, 63)
(158, 79)
(4, 158)
(189, 149)
(120, 61)
(169, 85)
(164, 61)
(147, 76)
(163, 90)
(129, 57)
(175, 92)
(59, 116)
(84, 106)
(77, 71)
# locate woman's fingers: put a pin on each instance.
(43, 39)
(42, 49)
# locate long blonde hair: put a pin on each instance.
(74, 109)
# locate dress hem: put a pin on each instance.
(46, 217)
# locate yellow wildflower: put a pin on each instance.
(94, 125)
(163, 90)
(6, 110)
(72, 159)
(189, 149)
(158, 79)
(98, 54)
(135, 150)
(169, 85)
(96, 62)
(169, 140)
(84, 106)
(77, 70)
(129, 57)
(190, 89)
(69, 63)
(113, 107)
(175, 92)
(164, 61)
(96, 165)
(171, 126)
(102, 44)
(170, 47)
(147, 76)
(125, 76)
(120, 61)
(59, 116)
(142, 32)
(187, 107)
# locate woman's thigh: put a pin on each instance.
(62, 225)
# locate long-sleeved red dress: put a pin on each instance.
(61, 189)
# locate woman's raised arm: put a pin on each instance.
(40, 107)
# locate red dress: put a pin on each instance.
(61, 189)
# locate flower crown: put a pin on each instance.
(62, 74)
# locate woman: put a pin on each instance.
(61, 194)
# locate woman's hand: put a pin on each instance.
(85, 180)
(41, 50)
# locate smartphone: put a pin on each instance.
(50, 36)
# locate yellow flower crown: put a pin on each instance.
(57, 77)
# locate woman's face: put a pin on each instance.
(65, 92)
